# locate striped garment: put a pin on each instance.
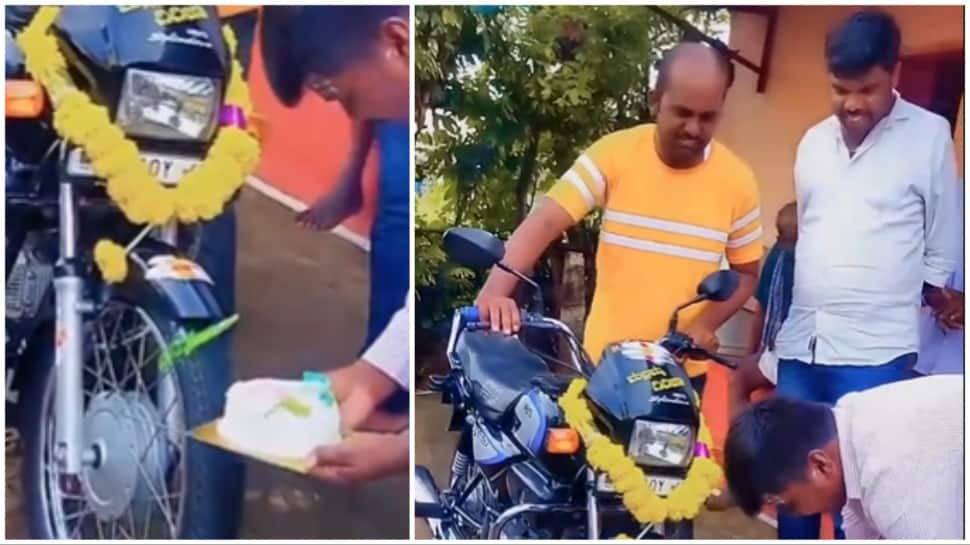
(775, 292)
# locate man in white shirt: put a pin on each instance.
(875, 186)
(891, 458)
(360, 388)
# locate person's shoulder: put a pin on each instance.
(924, 119)
(824, 129)
(629, 137)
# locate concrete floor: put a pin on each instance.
(434, 447)
(302, 299)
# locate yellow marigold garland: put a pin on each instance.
(111, 259)
(200, 194)
(684, 502)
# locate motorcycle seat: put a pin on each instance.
(499, 369)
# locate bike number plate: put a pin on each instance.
(168, 169)
(661, 486)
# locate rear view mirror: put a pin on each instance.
(719, 286)
(473, 248)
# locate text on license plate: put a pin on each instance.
(168, 169)
(661, 486)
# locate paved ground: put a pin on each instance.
(434, 447)
(303, 303)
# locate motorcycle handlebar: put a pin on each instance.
(720, 359)
(472, 318)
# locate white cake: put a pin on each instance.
(281, 418)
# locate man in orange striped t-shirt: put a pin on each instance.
(674, 205)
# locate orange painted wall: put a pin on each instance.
(305, 147)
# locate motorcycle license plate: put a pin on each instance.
(661, 486)
(168, 169)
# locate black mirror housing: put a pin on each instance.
(719, 285)
(473, 248)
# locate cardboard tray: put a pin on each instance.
(208, 433)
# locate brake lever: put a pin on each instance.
(720, 359)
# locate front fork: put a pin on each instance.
(592, 506)
(71, 451)
(68, 340)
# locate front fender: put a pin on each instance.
(177, 284)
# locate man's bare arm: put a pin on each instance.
(543, 226)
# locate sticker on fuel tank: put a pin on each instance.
(171, 15)
(660, 379)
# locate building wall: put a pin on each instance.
(765, 128)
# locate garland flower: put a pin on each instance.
(200, 195)
(684, 502)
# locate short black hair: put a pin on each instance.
(300, 40)
(669, 56)
(867, 39)
(768, 444)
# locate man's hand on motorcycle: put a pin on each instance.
(360, 458)
(359, 388)
(703, 338)
(501, 312)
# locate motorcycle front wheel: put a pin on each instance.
(148, 480)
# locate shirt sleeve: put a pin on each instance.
(389, 352)
(940, 208)
(854, 524)
(584, 186)
(744, 243)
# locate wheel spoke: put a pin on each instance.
(101, 343)
(82, 513)
(162, 503)
(110, 361)
(148, 520)
(130, 358)
(131, 521)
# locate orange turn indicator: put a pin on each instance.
(24, 99)
(562, 441)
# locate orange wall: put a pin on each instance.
(765, 128)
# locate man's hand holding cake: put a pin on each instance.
(359, 389)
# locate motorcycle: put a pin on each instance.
(519, 471)
(104, 380)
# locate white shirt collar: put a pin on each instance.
(850, 471)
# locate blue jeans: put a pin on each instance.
(826, 384)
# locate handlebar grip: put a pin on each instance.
(473, 318)
(470, 314)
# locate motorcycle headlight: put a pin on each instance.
(168, 106)
(661, 444)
